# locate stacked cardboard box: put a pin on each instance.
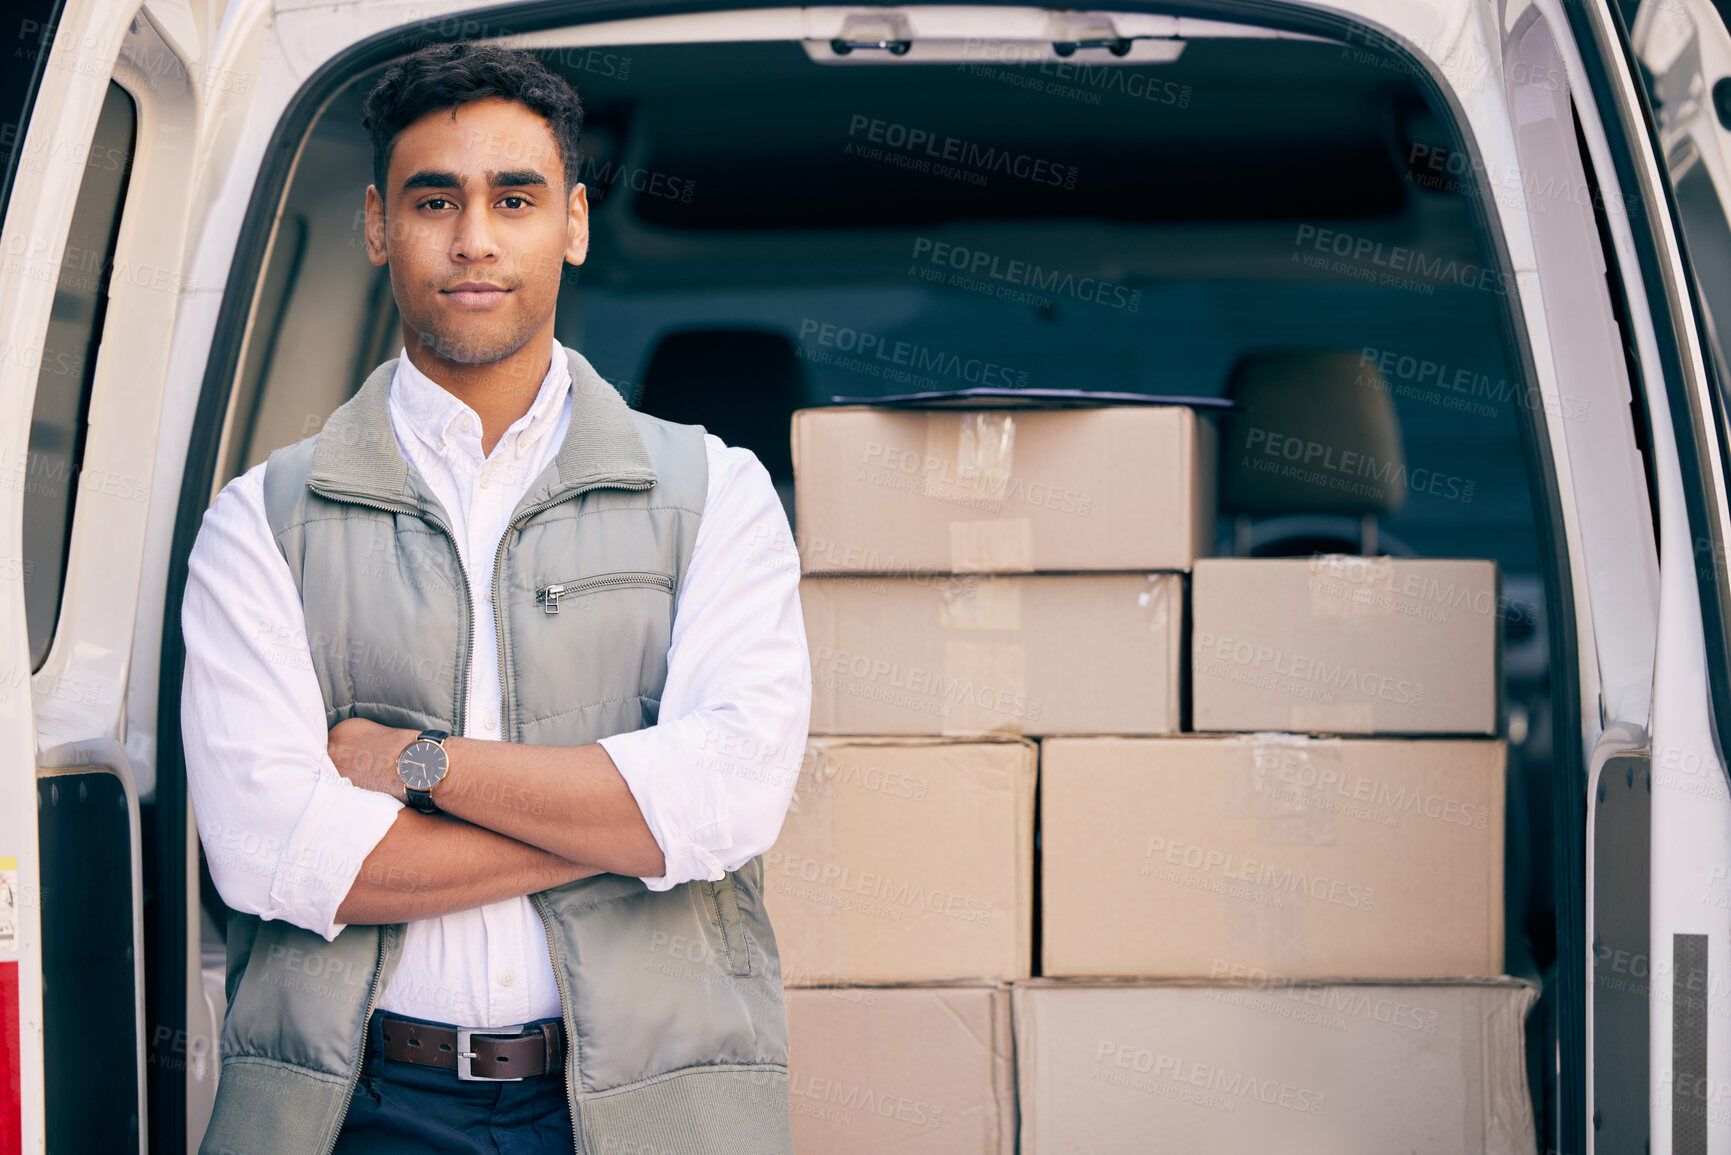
(906, 860)
(908, 491)
(1345, 1068)
(1261, 928)
(1294, 856)
(972, 580)
(1347, 645)
(1272, 926)
(926, 1069)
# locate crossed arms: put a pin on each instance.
(521, 819)
(307, 824)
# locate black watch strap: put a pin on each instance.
(422, 800)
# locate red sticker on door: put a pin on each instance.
(11, 1066)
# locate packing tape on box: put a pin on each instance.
(980, 603)
(969, 459)
(987, 444)
(986, 688)
(972, 453)
(1287, 783)
(999, 545)
(1282, 783)
(1349, 587)
(815, 773)
(1158, 601)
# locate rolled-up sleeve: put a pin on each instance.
(714, 776)
(284, 833)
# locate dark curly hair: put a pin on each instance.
(443, 76)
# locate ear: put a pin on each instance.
(375, 227)
(577, 225)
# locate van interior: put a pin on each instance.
(761, 224)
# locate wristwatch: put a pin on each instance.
(422, 766)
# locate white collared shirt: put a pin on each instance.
(285, 835)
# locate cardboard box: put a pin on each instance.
(1044, 654)
(899, 491)
(1346, 645)
(916, 1070)
(906, 861)
(1308, 858)
(1422, 1069)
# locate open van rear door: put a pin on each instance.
(1684, 53)
(89, 292)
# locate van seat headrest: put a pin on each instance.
(1315, 432)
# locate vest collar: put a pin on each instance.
(357, 454)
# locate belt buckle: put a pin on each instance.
(466, 1054)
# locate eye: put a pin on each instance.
(515, 202)
(435, 203)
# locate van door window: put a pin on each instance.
(68, 366)
(1708, 235)
(36, 21)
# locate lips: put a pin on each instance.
(475, 294)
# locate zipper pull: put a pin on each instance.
(550, 597)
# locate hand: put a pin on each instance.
(366, 754)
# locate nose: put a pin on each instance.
(474, 242)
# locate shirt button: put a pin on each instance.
(507, 979)
(468, 424)
(492, 723)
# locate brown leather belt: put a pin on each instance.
(496, 1054)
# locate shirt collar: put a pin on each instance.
(436, 416)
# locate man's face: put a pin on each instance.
(476, 225)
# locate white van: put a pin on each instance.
(1516, 212)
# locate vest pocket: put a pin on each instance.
(549, 596)
(724, 903)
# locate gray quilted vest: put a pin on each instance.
(672, 1000)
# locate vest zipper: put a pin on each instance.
(360, 1052)
(549, 595)
(508, 732)
(459, 715)
(571, 1046)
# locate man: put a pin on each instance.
(495, 692)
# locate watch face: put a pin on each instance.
(422, 766)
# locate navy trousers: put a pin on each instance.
(399, 1107)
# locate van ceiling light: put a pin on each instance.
(894, 47)
(1028, 36)
(1117, 46)
(1073, 30)
(994, 50)
(887, 31)
(988, 50)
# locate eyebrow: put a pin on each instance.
(510, 178)
(426, 179)
(514, 178)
